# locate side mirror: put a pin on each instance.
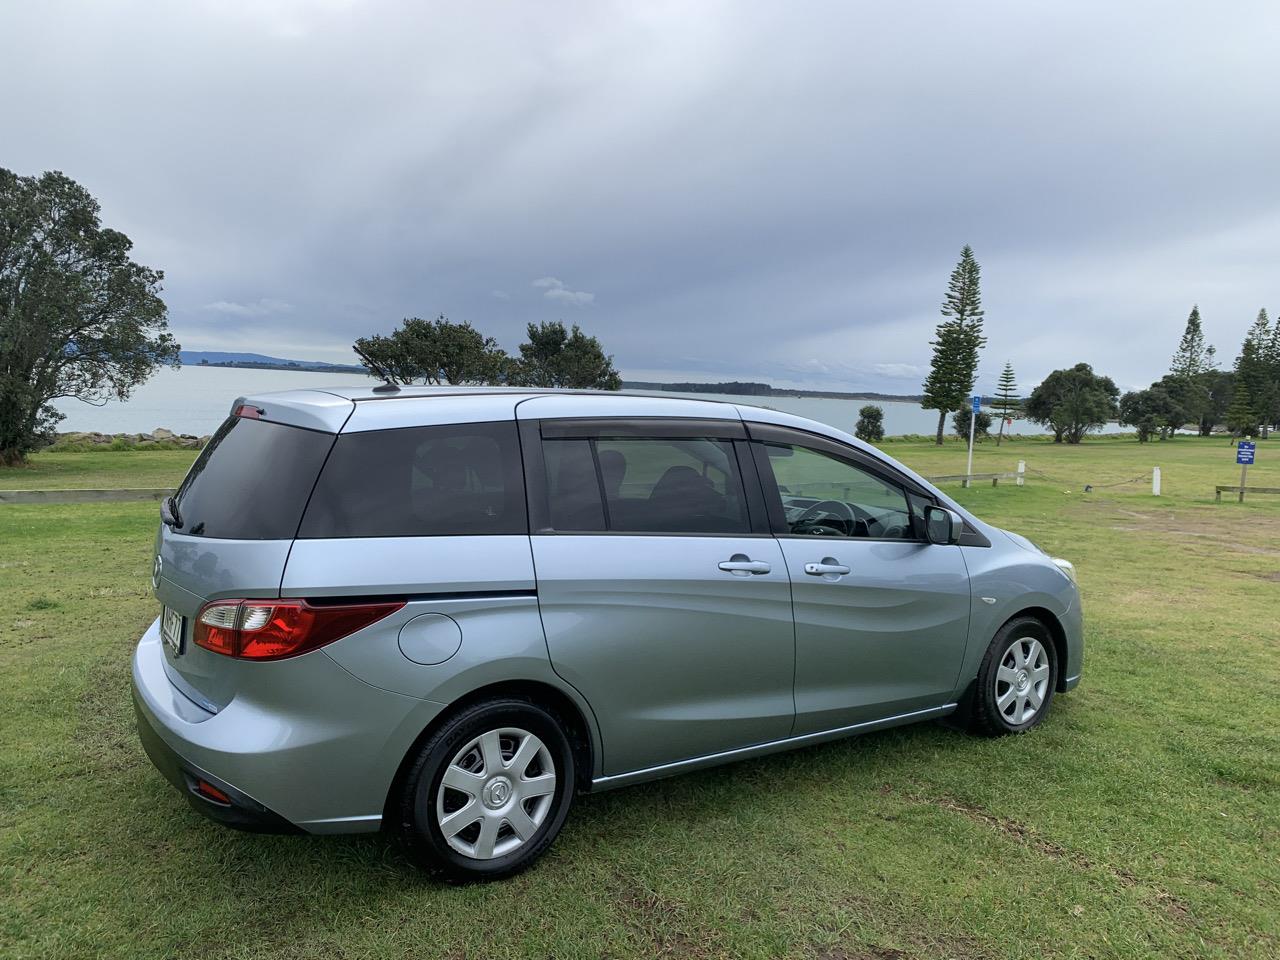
(942, 526)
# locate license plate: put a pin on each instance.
(171, 629)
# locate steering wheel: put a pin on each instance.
(837, 508)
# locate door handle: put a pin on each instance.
(829, 566)
(740, 565)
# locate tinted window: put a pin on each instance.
(573, 487)
(251, 481)
(455, 480)
(824, 496)
(645, 485)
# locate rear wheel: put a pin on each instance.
(488, 791)
(1016, 679)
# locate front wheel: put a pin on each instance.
(1016, 679)
(488, 791)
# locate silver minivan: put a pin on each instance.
(444, 612)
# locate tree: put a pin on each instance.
(1006, 401)
(981, 423)
(954, 367)
(555, 357)
(1193, 359)
(1219, 386)
(870, 425)
(1242, 418)
(434, 351)
(78, 317)
(1254, 372)
(1193, 356)
(1152, 412)
(1073, 402)
(1273, 364)
(1253, 375)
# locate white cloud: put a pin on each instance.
(257, 308)
(899, 370)
(554, 289)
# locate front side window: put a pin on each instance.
(824, 496)
(685, 485)
(455, 480)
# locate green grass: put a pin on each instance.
(99, 469)
(1142, 819)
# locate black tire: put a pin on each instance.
(988, 716)
(417, 824)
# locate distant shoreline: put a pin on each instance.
(735, 388)
(740, 389)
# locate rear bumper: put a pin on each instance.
(241, 812)
(303, 746)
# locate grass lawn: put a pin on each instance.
(1142, 819)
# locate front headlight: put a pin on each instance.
(1066, 566)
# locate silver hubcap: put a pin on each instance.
(496, 793)
(1022, 681)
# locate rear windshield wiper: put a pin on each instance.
(169, 515)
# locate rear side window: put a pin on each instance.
(645, 485)
(455, 480)
(251, 481)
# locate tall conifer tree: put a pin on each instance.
(1006, 399)
(1193, 359)
(1255, 379)
(954, 367)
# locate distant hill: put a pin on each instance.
(218, 358)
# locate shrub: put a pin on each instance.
(960, 424)
(870, 424)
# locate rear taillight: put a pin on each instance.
(275, 629)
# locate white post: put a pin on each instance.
(1155, 482)
(1022, 469)
(973, 419)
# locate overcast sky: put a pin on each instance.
(774, 191)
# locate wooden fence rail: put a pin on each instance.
(1219, 491)
(966, 478)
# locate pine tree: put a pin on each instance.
(1194, 356)
(1254, 378)
(1190, 363)
(954, 367)
(1267, 336)
(1006, 400)
(1241, 419)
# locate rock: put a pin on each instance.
(160, 433)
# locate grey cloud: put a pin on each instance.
(743, 188)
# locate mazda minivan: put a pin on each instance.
(445, 612)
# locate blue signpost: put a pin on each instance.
(1245, 450)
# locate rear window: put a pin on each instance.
(455, 480)
(251, 481)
